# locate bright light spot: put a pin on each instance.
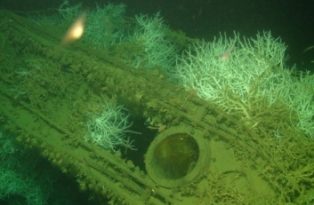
(75, 31)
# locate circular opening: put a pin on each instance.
(175, 156)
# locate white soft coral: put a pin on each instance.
(238, 72)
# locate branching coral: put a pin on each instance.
(105, 26)
(108, 129)
(151, 34)
(238, 72)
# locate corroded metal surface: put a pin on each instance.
(47, 89)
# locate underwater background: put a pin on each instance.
(135, 99)
(292, 21)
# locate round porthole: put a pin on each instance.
(176, 156)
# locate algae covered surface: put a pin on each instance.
(236, 94)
